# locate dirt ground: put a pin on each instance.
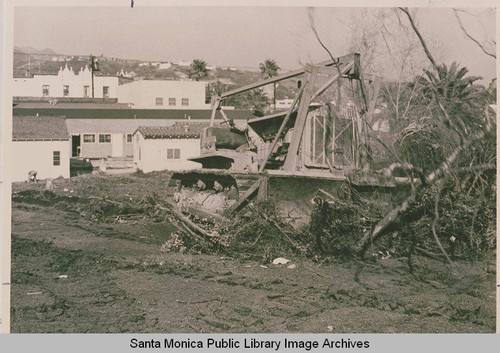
(75, 271)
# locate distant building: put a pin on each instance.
(284, 103)
(164, 66)
(162, 94)
(41, 143)
(105, 138)
(381, 124)
(184, 63)
(126, 74)
(167, 148)
(66, 84)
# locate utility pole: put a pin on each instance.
(94, 66)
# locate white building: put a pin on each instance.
(381, 125)
(66, 84)
(126, 74)
(164, 66)
(184, 63)
(102, 130)
(167, 148)
(162, 94)
(40, 143)
(284, 103)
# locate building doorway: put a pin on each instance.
(116, 145)
(75, 146)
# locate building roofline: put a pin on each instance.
(125, 113)
(173, 132)
(48, 139)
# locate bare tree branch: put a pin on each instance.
(339, 83)
(413, 93)
(311, 21)
(467, 12)
(434, 222)
(427, 52)
(471, 37)
(449, 122)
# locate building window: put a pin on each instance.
(89, 138)
(104, 138)
(105, 91)
(45, 90)
(171, 101)
(85, 91)
(185, 101)
(129, 138)
(159, 101)
(173, 153)
(65, 91)
(56, 158)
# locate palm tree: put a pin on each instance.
(257, 101)
(198, 69)
(269, 69)
(457, 93)
(254, 100)
(215, 88)
(450, 107)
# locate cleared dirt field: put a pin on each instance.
(79, 266)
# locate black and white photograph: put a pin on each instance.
(251, 169)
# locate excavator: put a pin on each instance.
(313, 148)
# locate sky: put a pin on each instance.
(234, 36)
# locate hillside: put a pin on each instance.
(29, 61)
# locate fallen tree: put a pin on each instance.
(459, 124)
(382, 226)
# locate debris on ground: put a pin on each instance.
(261, 232)
(280, 261)
(119, 281)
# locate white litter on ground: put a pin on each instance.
(280, 261)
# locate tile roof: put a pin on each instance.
(178, 130)
(113, 126)
(108, 113)
(39, 128)
(129, 126)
